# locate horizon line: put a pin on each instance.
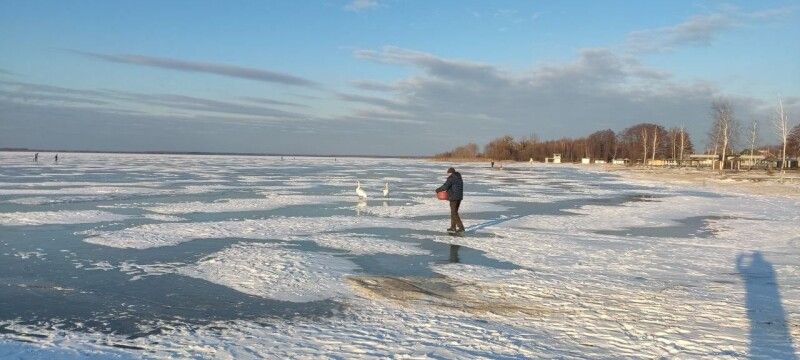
(223, 153)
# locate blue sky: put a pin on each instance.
(380, 77)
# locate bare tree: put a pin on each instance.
(753, 138)
(782, 126)
(673, 139)
(644, 145)
(683, 143)
(793, 142)
(726, 127)
(655, 141)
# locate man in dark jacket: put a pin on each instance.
(455, 193)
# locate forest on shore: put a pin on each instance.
(631, 143)
(641, 141)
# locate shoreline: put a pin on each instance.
(742, 182)
(756, 182)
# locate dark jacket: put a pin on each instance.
(454, 187)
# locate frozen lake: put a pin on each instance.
(135, 256)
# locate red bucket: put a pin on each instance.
(442, 195)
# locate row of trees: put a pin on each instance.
(725, 136)
(644, 141)
(641, 141)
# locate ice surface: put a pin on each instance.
(609, 268)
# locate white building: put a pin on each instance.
(556, 159)
(703, 160)
(752, 160)
(586, 161)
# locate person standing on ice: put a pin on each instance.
(455, 193)
(36, 157)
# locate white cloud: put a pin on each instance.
(699, 30)
(361, 5)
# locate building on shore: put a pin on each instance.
(703, 160)
(620, 161)
(586, 161)
(600, 161)
(791, 163)
(754, 161)
(556, 159)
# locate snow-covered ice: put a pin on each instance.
(275, 272)
(253, 257)
(57, 217)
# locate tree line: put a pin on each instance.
(726, 135)
(641, 142)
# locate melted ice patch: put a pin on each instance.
(58, 217)
(276, 272)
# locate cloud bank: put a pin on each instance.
(203, 67)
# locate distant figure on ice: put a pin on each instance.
(36, 157)
(455, 193)
(492, 163)
(56, 157)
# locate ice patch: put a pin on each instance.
(58, 217)
(42, 200)
(234, 205)
(101, 265)
(276, 272)
(165, 218)
(657, 213)
(362, 245)
(280, 228)
(89, 190)
(139, 272)
(427, 206)
(30, 254)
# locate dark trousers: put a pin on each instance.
(455, 220)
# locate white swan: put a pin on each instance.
(386, 190)
(359, 191)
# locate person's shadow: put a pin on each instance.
(769, 332)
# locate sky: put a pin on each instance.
(382, 77)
